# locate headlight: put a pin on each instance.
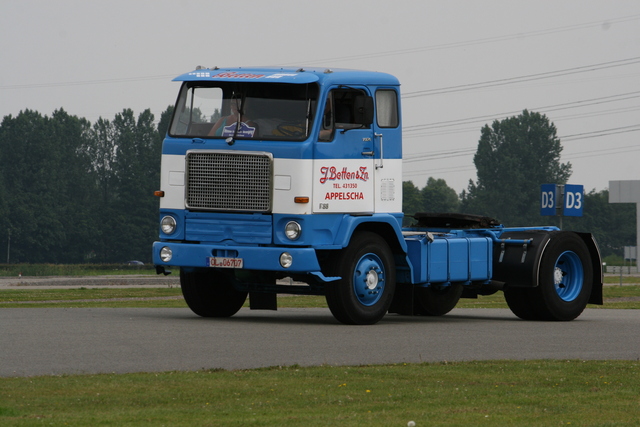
(168, 224)
(286, 259)
(292, 230)
(166, 254)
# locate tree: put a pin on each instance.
(101, 149)
(411, 200)
(72, 192)
(437, 196)
(20, 148)
(514, 157)
(44, 170)
(5, 231)
(73, 188)
(163, 124)
(137, 174)
(612, 225)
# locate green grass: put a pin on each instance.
(531, 393)
(615, 297)
(625, 279)
(39, 270)
(85, 297)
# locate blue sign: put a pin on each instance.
(573, 200)
(548, 197)
(244, 130)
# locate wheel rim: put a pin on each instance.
(368, 279)
(568, 276)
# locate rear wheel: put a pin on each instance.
(437, 301)
(564, 283)
(365, 292)
(521, 302)
(566, 278)
(210, 293)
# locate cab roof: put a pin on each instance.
(289, 75)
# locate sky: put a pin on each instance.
(462, 64)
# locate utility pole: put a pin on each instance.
(8, 244)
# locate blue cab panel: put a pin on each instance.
(207, 227)
(447, 259)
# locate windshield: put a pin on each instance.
(244, 110)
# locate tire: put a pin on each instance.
(521, 301)
(210, 293)
(434, 301)
(368, 279)
(566, 278)
(564, 283)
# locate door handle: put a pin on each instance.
(381, 165)
(368, 153)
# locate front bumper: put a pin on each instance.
(265, 258)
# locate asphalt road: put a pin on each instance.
(45, 341)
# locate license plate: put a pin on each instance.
(220, 262)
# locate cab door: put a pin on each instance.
(387, 131)
(344, 160)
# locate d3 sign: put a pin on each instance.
(573, 200)
(548, 199)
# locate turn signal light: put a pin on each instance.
(301, 199)
(158, 193)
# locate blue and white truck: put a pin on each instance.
(278, 180)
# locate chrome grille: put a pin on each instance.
(229, 181)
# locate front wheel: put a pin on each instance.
(210, 292)
(365, 292)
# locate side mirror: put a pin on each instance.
(363, 110)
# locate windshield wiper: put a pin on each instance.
(232, 139)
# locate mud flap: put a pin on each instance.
(402, 300)
(263, 300)
(596, 263)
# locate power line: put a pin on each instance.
(475, 129)
(464, 152)
(568, 157)
(87, 82)
(351, 57)
(438, 156)
(602, 152)
(598, 113)
(603, 132)
(467, 168)
(473, 42)
(548, 108)
(525, 78)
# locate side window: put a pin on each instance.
(345, 104)
(387, 108)
(342, 111)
